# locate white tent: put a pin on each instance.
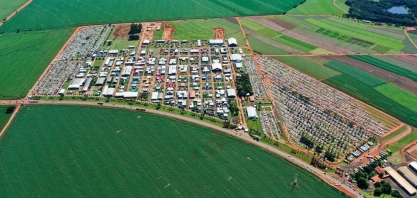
(251, 111)
(232, 42)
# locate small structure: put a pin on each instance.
(100, 81)
(113, 52)
(216, 42)
(251, 112)
(237, 58)
(76, 84)
(232, 42)
(413, 166)
(215, 67)
(126, 71)
(408, 175)
(252, 98)
(231, 93)
(62, 92)
(400, 181)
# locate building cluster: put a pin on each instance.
(405, 177)
(311, 109)
(67, 66)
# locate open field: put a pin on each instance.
(387, 66)
(25, 56)
(400, 61)
(399, 95)
(396, 147)
(7, 7)
(358, 74)
(396, 133)
(264, 48)
(312, 69)
(204, 29)
(43, 13)
(4, 117)
(317, 7)
(126, 155)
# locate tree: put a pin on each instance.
(135, 28)
(377, 185)
(396, 194)
(319, 149)
(234, 110)
(362, 183)
(158, 106)
(386, 188)
(10, 109)
(133, 37)
(377, 192)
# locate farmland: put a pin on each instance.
(72, 149)
(318, 7)
(204, 29)
(399, 95)
(7, 7)
(387, 66)
(25, 56)
(360, 75)
(42, 14)
(4, 115)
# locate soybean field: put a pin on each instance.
(9, 6)
(73, 151)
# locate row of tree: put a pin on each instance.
(134, 30)
(377, 11)
(244, 87)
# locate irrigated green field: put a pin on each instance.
(52, 14)
(64, 151)
(4, 116)
(399, 95)
(319, 7)
(25, 56)
(204, 29)
(9, 6)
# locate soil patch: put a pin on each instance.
(219, 33)
(406, 84)
(233, 20)
(413, 151)
(168, 33)
(283, 24)
(121, 31)
(410, 59)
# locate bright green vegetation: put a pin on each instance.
(25, 56)
(367, 94)
(43, 13)
(121, 43)
(359, 33)
(285, 148)
(387, 66)
(317, 7)
(310, 68)
(4, 115)
(157, 35)
(9, 6)
(399, 95)
(277, 36)
(333, 34)
(297, 44)
(358, 74)
(398, 62)
(261, 29)
(403, 141)
(396, 133)
(98, 62)
(264, 48)
(204, 29)
(82, 151)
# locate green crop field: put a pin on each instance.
(399, 95)
(261, 29)
(204, 29)
(310, 68)
(297, 44)
(4, 116)
(398, 62)
(25, 56)
(358, 74)
(44, 13)
(318, 7)
(264, 48)
(100, 152)
(387, 66)
(369, 95)
(9, 6)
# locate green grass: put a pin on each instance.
(122, 43)
(9, 6)
(25, 56)
(98, 62)
(397, 61)
(4, 117)
(317, 7)
(396, 133)
(399, 95)
(359, 33)
(52, 14)
(81, 151)
(204, 29)
(367, 94)
(358, 74)
(310, 68)
(403, 141)
(157, 35)
(387, 66)
(264, 48)
(261, 29)
(294, 43)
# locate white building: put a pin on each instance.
(232, 42)
(251, 111)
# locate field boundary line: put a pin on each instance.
(15, 12)
(409, 38)
(334, 2)
(10, 120)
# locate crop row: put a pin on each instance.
(358, 74)
(297, 44)
(387, 66)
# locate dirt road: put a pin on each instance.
(15, 12)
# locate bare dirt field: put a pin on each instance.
(410, 59)
(412, 151)
(283, 24)
(168, 32)
(277, 27)
(219, 33)
(233, 20)
(406, 84)
(121, 31)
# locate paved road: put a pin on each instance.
(240, 135)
